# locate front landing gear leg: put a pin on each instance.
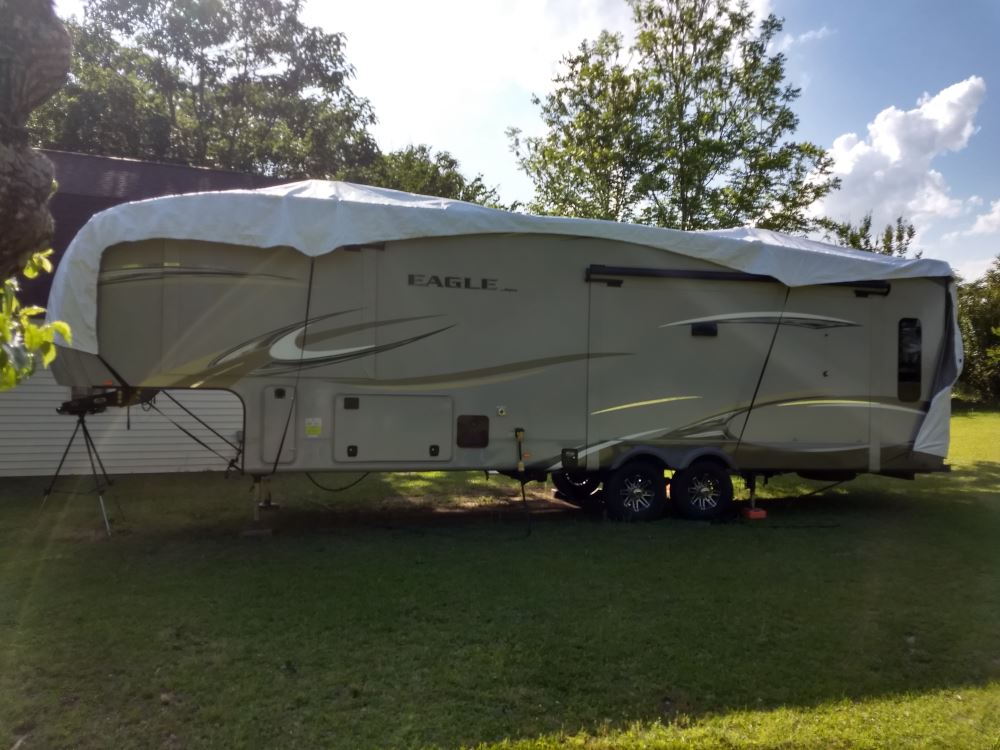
(261, 493)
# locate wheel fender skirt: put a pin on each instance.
(676, 457)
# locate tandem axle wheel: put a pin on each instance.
(638, 491)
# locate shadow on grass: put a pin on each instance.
(439, 622)
(171, 506)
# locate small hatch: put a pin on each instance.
(473, 431)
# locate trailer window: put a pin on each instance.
(909, 359)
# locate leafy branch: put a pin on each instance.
(23, 342)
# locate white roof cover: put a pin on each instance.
(316, 217)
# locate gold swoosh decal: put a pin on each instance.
(637, 404)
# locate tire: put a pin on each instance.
(637, 491)
(577, 488)
(702, 492)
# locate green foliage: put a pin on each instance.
(108, 106)
(979, 320)
(722, 114)
(595, 160)
(239, 84)
(895, 239)
(24, 343)
(693, 133)
(416, 169)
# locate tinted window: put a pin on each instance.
(909, 359)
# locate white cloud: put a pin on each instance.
(890, 171)
(761, 9)
(986, 223)
(787, 41)
(455, 74)
(422, 62)
(970, 270)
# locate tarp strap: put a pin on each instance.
(298, 370)
(204, 424)
(763, 369)
(202, 443)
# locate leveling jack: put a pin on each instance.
(753, 513)
(261, 491)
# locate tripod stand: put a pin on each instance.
(92, 455)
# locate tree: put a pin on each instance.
(416, 169)
(895, 239)
(34, 60)
(693, 135)
(238, 84)
(596, 158)
(110, 105)
(979, 320)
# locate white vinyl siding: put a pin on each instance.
(33, 436)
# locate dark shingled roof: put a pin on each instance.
(88, 184)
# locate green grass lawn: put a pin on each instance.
(417, 611)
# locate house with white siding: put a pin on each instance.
(130, 441)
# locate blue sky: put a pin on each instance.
(916, 82)
(877, 55)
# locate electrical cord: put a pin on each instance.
(337, 489)
(527, 510)
(816, 492)
(802, 497)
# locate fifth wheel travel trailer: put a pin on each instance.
(369, 329)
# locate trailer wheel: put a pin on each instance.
(577, 487)
(636, 492)
(702, 491)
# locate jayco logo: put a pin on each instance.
(455, 282)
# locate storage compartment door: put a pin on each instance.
(372, 429)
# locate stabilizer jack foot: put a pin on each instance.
(753, 513)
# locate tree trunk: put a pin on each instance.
(34, 62)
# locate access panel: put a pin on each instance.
(374, 428)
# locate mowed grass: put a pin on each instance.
(423, 611)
